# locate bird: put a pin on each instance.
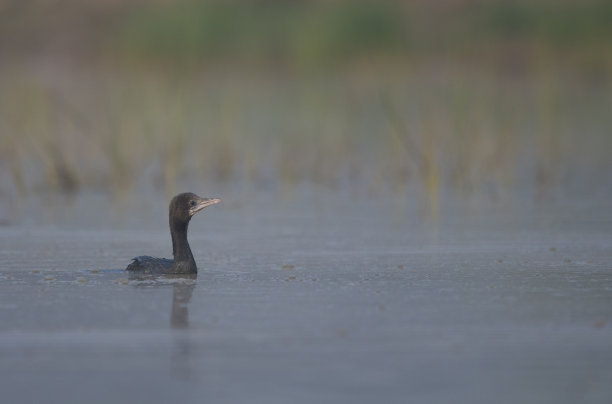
(182, 208)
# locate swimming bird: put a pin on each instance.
(182, 208)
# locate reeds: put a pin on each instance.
(415, 99)
(471, 134)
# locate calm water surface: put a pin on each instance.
(310, 299)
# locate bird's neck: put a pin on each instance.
(180, 245)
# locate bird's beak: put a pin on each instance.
(204, 202)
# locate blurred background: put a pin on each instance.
(423, 101)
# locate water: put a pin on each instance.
(311, 298)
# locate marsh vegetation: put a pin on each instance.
(506, 99)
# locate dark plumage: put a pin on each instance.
(182, 208)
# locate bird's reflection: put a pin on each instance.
(182, 289)
(179, 320)
(181, 296)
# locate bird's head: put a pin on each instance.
(184, 206)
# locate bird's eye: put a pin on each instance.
(192, 202)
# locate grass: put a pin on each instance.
(466, 132)
(491, 100)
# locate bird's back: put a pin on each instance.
(146, 264)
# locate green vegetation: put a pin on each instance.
(466, 131)
(294, 33)
(322, 34)
(314, 34)
(479, 98)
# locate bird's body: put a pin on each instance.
(151, 265)
(182, 208)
